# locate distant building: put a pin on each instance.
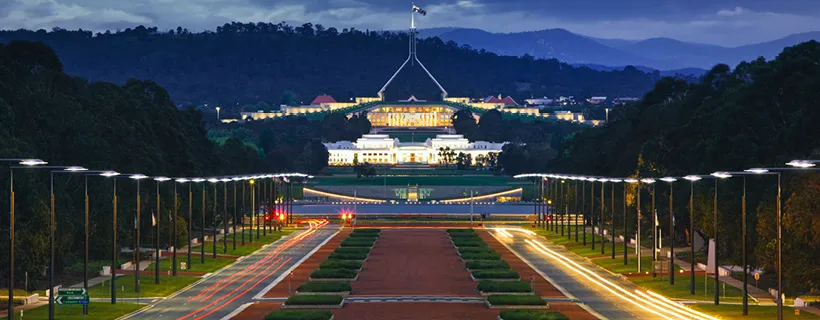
(381, 149)
(625, 100)
(507, 101)
(539, 102)
(596, 100)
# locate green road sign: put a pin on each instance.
(71, 300)
(72, 292)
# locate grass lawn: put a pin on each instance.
(755, 312)
(681, 288)
(166, 286)
(210, 265)
(420, 180)
(618, 266)
(20, 292)
(96, 311)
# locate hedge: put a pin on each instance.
(480, 256)
(347, 256)
(340, 264)
(504, 286)
(515, 300)
(532, 315)
(358, 243)
(495, 274)
(333, 274)
(464, 250)
(461, 231)
(299, 315)
(484, 265)
(352, 250)
(324, 287)
(313, 300)
(469, 243)
(359, 231)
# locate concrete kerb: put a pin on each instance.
(287, 272)
(204, 277)
(315, 306)
(528, 307)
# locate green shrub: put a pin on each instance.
(340, 264)
(504, 286)
(461, 231)
(299, 315)
(363, 235)
(481, 256)
(495, 274)
(514, 300)
(484, 265)
(347, 256)
(370, 231)
(352, 250)
(358, 243)
(333, 274)
(313, 300)
(464, 250)
(324, 287)
(532, 315)
(469, 243)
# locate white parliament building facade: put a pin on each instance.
(381, 149)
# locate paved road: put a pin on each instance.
(413, 209)
(607, 294)
(220, 294)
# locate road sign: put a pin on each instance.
(72, 292)
(71, 300)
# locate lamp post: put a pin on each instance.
(563, 203)
(612, 213)
(159, 180)
(575, 195)
(22, 162)
(603, 207)
(592, 208)
(651, 181)
(225, 214)
(202, 224)
(670, 180)
(638, 221)
(217, 113)
(584, 209)
(235, 205)
(692, 179)
(254, 212)
(137, 177)
(720, 175)
(214, 181)
(176, 215)
(626, 227)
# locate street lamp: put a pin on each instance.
(217, 113)
(174, 223)
(603, 181)
(670, 180)
(638, 222)
(22, 162)
(719, 175)
(137, 177)
(202, 224)
(612, 213)
(235, 205)
(114, 254)
(651, 181)
(692, 179)
(158, 221)
(224, 214)
(214, 181)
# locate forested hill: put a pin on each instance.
(252, 63)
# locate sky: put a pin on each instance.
(722, 22)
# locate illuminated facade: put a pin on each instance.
(410, 116)
(381, 149)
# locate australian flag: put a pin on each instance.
(419, 10)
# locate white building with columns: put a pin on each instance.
(381, 149)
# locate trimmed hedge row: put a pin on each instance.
(464, 250)
(469, 243)
(532, 315)
(358, 242)
(481, 256)
(495, 274)
(312, 300)
(516, 300)
(504, 286)
(358, 231)
(352, 250)
(461, 231)
(325, 287)
(484, 265)
(363, 235)
(348, 256)
(333, 274)
(299, 315)
(340, 264)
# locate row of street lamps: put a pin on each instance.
(266, 191)
(553, 185)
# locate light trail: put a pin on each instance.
(486, 196)
(341, 196)
(639, 299)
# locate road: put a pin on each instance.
(607, 294)
(413, 209)
(223, 292)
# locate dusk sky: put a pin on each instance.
(725, 22)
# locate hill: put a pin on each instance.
(255, 63)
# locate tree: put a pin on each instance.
(464, 160)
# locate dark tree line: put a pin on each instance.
(759, 114)
(252, 63)
(130, 128)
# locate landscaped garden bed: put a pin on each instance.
(358, 242)
(488, 287)
(464, 250)
(299, 315)
(322, 274)
(480, 256)
(341, 264)
(494, 274)
(506, 301)
(319, 288)
(313, 302)
(352, 250)
(486, 265)
(531, 315)
(348, 256)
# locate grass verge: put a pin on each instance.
(532, 315)
(125, 286)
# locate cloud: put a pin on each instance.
(730, 13)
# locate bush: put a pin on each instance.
(358, 242)
(495, 274)
(364, 235)
(340, 264)
(347, 256)
(532, 315)
(333, 274)
(299, 315)
(469, 243)
(484, 265)
(461, 231)
(313, 300)
(504, 286)
(481, 256)
(324, 287)
(513, 300)
(352, 250)
(366, 231)
(464, 250)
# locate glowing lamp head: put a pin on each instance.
(198, 180)
(630, 180)
(648, 180)
(692, 178)
(75, 169)
(182, 180)
(161, 179)
(757, 170)
(109, 174)
(721, 175)
(669, 179)
(33, 162)
(800, 163)
(138, 177)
